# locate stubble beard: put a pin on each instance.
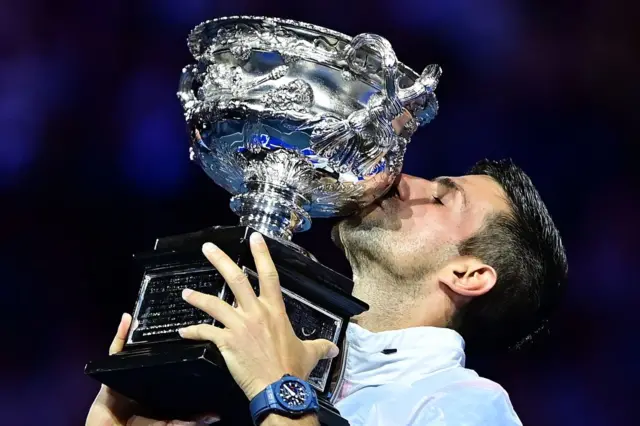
(367, 239)
(374, 244)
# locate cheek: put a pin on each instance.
(470, 222)
(434, 224)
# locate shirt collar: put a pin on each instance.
(419, 352)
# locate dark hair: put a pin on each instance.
(525, 249)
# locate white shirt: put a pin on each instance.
(423, 383)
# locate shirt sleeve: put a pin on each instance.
(473, 403)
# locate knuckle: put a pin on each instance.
(255, 324)
(195, 331)
(213, 255)
(226, 343)
(237, 278)
(271, 275)
(282, 315)
(204, 332)
(277, 312)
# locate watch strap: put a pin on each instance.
(263, 403)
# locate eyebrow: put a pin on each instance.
(451, 184)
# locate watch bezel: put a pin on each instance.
(310, 393)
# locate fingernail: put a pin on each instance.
(333, 352)
(210, 420)
(257, 238)
(124, 315)
(181, 332)
(209, 247)
(186, 292)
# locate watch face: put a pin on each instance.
(293, 394)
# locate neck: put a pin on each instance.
(396, 304)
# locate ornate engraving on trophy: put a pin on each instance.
(265, 35)
(161, 311)
(294, 96)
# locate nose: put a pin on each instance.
(411, 186)
(403, 184)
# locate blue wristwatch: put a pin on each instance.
(290, 396)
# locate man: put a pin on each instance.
(472, 259)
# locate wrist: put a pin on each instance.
(275, 419)
(260, 384)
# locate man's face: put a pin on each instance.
(419, 223)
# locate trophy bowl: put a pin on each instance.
(296, 122)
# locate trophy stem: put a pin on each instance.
(273, 210)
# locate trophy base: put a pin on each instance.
(176, 383)
(170, 377)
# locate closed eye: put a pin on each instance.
(438, 200)
(446, 185)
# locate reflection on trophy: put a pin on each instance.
(295, 121)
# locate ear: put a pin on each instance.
(468, 276)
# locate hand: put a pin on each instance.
(113, 409)
(258, 343)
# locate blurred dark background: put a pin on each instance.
(94, 166)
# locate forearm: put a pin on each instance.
(276, 420)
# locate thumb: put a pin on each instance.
(121, 334)
(323, 349)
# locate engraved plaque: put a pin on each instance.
(160, 309)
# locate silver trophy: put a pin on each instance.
(295, 121)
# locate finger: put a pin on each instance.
(123, 328)
(146, 421)
(204, 332)
(322, 348)
(267, 273)
(233, 275)
(208, 419)
(214, 306)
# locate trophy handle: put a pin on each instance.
(396, 99)
(389, 64)
(381, 108)
(425, 84)
(185, 89)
